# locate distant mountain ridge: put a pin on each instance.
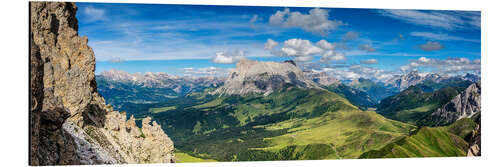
(263, 78)
(412, 78)
(178, 84)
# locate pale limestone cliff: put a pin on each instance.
(263, 78)
(69, 121)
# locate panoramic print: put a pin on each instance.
(116, 83)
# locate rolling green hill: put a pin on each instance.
(290, 124)
(414, 103)
(448, 141)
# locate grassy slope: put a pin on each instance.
(413, 103)
(429, 142)
(182, 157)
(292, 124)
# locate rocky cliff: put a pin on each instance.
(321, 78)
(263, 78)
(475, 143)
(69, 121)
(465, 105)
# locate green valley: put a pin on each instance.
(290, 124)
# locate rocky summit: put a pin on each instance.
(263, 78)
(465, 105)
(70, 122)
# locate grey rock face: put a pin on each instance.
(475, 143)
(464, 105)
(263, 78)
(321, 78)
(404, 81)
(412, 78)
(68, 117)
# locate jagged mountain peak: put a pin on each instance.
(412, 78)
(465, 105)
(259, 77)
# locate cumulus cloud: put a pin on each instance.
(358, 71)
(303, 59)
(205, 71)
(369, 61)
(323, 44)
(366, 47)
(228, 57)
(270, 44)
(449, 65)
(299, 47)
(431, 46)
(94, 14)
(304, 50)
(441, 37)
(330, 55)
(316, 21)
(449, 20)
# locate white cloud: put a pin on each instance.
(431, 46)
(270, 44)
(323, 44)
(205, 71)
(228, 57)
(369, 61)
(449, 65)
(94, 14)
(367, 47)
(441, 37)
(448, 20)
(330, 55)
(299, 47)
(358, 71)
(303, 59)
(316, 21)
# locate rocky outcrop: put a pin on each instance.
(475, 143)
(321, 78)
(465, 105)
(69, 121)
(263, 78)
(412, 78)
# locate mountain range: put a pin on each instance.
(260, 111)
(276, 111)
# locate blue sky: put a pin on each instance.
(348, 43)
